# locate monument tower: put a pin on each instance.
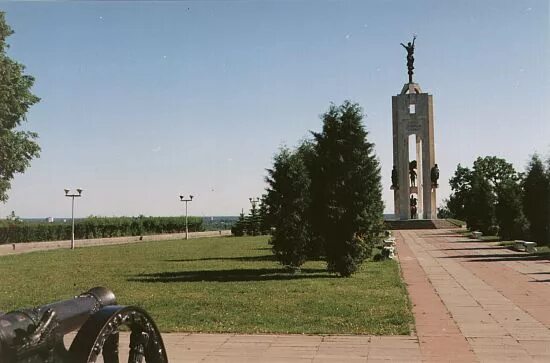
(414, 177)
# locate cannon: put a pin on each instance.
(36, 335)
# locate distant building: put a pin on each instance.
(50, 219)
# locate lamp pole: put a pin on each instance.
(254, 217)
(73, 195)
(186, 200)
(254, 201)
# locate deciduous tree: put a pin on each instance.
(536, 190)
(17, 147)
(509, 212)
(480, 205)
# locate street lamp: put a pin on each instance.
(254, 223)
(184, 199)
(254, 201)
(72, 196)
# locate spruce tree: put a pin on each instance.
(346, 190)
(288, 201)
(263, 216)
(253, 221)
(239, 228)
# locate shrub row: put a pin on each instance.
(96, 227)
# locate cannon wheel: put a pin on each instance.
(99, 335)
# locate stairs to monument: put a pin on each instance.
(420, 224)
(444, 224)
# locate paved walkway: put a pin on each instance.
(499, 300)
(231, 348)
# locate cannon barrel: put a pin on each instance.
(34, 327)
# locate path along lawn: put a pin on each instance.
(215, 285)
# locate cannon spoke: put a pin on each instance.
(138, 342)
(99, 335)
(110, 349)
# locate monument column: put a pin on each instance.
(412, 114)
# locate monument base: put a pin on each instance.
(394, 224)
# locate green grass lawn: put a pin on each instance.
(215, 285)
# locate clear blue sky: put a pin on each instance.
(142, 101)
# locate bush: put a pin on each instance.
(95, 227)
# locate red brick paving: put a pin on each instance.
(439, 336)
(499, 299)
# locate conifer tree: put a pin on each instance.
(263, 214)
(253, 221)
(239, 229)
(346, 190)
(288, 201)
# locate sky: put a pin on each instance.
(144, 101)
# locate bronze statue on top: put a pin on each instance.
(410, 57)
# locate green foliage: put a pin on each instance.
(253, 221)
(509, 214)
(263, 214)
(536, 206)
(288, 202)
(495, 170)
(480, 205)
(347, 205)
(443, 212)
(239, 228)
(489, 173)
(17, 148)
(96, 227)
(460, 185)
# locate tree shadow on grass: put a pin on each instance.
(233, 275)
(239, 258)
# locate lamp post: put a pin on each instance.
(254, 216)
(73, 195)
(254, 201)
(186, 200)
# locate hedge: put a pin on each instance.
(95, 227)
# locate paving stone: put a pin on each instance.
(493, 302)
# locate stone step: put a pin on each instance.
(419, 224)
(444, 224)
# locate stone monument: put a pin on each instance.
(414, 177)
